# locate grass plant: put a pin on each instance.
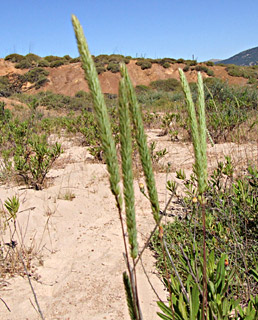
(205, 282)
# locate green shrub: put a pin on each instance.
(210, 73)
(33, 160)
(240, 71)
(144, 64)
(113, 67)
(201, 68)
(24, 64)
(52, 58)
(209, 63)
(100, 69)
(166, 85)
(67, 57)
(166, 65)
(180, 60)
(56, 63)
(31, 57)
(35, 74)
(43, 63)
(75, 60)
(14, 57)
(5, 87)
(142, 89)
(186, 68)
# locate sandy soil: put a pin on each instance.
(78, 245)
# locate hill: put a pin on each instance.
(68, 78)
(244, 58)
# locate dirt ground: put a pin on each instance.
(74, 231)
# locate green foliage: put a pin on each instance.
(245, 72)
(52, 58)
(166, 85)
(186, 68)
(209, 63)
(203, 68)
(231, 225)
(186, 302)
(75, 60)
(33, 58)
(43, 63)
(24, 64)
(180, 60)
(14, 57)
(5, 87)
(33, 161)
(56, 63)
(113, 67)
(37, 76)
(12, 205)
(156, 156)
(144, 64)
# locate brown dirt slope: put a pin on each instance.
(69, 79)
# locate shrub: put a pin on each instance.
(210, 73)
(67, 57)
(52, 58)
(144, 64)
(31, 57)
(35, 74)
(209, 63)
(201, 68)
(5, 87)
(33, 160)
(180, 60)
(166, 65)
(166, 85)
(43, 63)
(75, 60)
(24, 64)
(239, 71)
(56, 63)
(14, 57)
(100, 69)
(186, 68)
(113, 67)
(142, 89)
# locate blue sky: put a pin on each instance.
(143, 28)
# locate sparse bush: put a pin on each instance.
(186, 68)
(32, 161)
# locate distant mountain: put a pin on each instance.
(244, 58)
